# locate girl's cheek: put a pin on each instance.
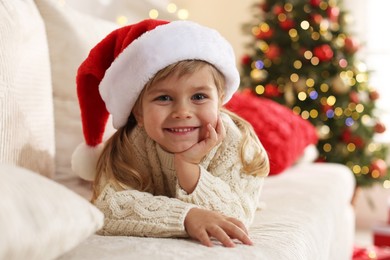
(215, 121)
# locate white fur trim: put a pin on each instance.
(84, 160)
(156, 49)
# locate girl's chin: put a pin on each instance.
(178, 149)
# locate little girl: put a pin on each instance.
(179, 164)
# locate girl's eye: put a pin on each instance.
(198, 96)
(164, 98)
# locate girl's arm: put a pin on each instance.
(187, 162)
(223, 186)
(134, 213)
(228, 196)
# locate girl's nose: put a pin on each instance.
(181, 110)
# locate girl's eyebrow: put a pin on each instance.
(202, 87)
(158, 90)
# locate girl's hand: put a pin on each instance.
(196, 152)
(203, 224)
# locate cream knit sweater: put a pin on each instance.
(222, 187)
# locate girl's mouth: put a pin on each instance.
(181, 129)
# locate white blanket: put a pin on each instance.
(306, 214)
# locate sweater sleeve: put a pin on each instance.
(135, 213)
(224, 186)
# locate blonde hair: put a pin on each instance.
(114, 163)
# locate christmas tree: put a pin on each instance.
(302, 56)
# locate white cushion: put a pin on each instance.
(71, 35)
(26, 103)
(39, 218)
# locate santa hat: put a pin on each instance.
(110, 80)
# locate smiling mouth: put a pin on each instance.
(181, 129)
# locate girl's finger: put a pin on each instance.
(204, 238)
(238, 224)
(244, 238)
(213, 136)
(219, 234)
(220, 129)
(235, 232)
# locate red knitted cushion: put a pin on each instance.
(283, 134)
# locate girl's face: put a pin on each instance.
(176, 110)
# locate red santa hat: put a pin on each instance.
(110, 80)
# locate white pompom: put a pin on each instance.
(84, 160)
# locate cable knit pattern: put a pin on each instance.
(222, 187)
(135, 213)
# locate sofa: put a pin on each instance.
(305, 210)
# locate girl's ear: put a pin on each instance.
(138, 117)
